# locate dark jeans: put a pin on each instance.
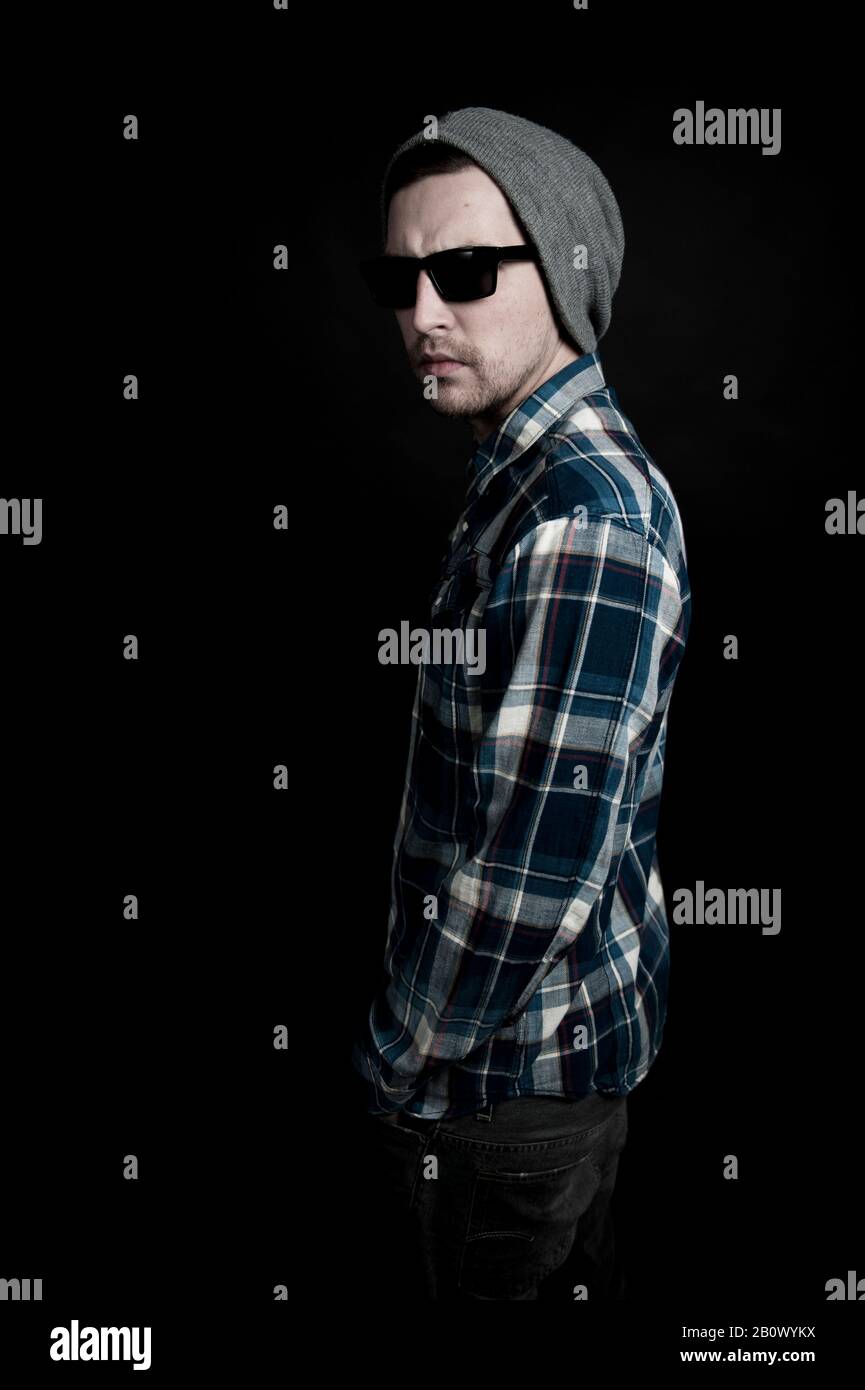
(488, 1206)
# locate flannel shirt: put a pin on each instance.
(527, 946)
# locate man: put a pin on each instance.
(524, 986)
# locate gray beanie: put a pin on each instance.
(562, 200)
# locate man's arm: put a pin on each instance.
(578, 624)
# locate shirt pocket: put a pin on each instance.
(450, 696)
(460, 593)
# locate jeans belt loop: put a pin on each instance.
(486, 1113)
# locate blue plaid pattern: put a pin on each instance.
(527, 947)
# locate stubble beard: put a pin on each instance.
(485, 390)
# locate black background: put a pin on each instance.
(258, 907)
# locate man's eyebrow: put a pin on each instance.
(463, 246)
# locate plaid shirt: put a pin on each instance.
(527, 947)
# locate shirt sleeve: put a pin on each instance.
(579, 623)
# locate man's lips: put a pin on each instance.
(441, 366)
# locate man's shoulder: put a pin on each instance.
(594, 460)
(596, 468)
(596, 473)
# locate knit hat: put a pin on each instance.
(560, 196)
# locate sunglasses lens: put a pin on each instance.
(459, 275)
(465, 275)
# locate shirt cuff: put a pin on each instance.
(380, 1099)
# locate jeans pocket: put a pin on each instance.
(522, 1225)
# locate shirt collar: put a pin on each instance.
(532, 418)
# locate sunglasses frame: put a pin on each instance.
(523, 252)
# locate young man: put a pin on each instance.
(524, 986)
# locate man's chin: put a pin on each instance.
(450, 403)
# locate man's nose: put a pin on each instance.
(430, 310)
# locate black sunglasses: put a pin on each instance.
(460, 274)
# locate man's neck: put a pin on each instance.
(482, 425)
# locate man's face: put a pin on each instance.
(508, 343)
